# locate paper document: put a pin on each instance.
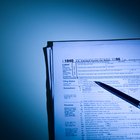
(82, 109)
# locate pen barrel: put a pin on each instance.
(122, 95)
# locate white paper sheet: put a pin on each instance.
(82, 109)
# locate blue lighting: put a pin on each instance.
(26, 26)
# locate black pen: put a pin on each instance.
(120, 94)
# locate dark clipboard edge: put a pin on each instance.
(49, 42)
(49, 99)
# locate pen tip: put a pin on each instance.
(96, 82)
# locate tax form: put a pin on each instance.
(82, 109)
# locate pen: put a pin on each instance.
(120, 94)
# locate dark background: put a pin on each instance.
(25, 27)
